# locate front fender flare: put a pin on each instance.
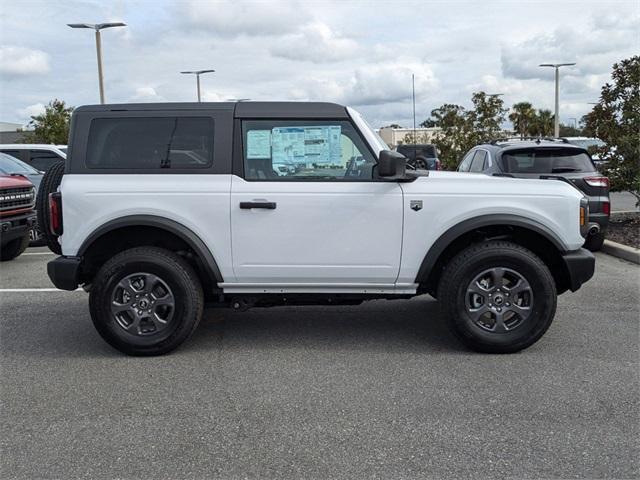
(474, 223)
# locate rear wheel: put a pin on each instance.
(14, 248)
(594, 242)
(146, 301)
(420, 163)
(49, 184)
(499, 297)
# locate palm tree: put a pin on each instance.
(523, 117)
(543, 123)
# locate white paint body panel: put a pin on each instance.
(450, 198)
(320, 232)
(199, 202)
(333, 237)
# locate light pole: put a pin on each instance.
(197, 73)
(97, 27)
(556, 120)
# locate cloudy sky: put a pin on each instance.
(360, 53)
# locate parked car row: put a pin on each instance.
(22, 167)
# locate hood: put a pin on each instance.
(469, 184)
(14, 181)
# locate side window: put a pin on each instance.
(13, 153)
(477, 165)
(43, 159)
(301, 150)
(150, 143)
(466, 162)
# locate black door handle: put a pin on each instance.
(266, 205)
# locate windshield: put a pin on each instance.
(546, 161)
(588, 142)
(370, 134)
(9, 165)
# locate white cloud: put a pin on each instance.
(372, 85)
(29, 111)
(242, 17)
(316, 43)
(590, 46)
(19, 61)
(146, 94)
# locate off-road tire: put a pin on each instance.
(594, 242)
(180, 278)
(49, 184)
(461, 272)
(14, 248)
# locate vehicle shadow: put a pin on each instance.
(414, 325)
(65, 329)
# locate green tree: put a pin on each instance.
(462, 129)
(542, 125)
(523, 117)
(615, 119)
(52, 126)
(487, 116)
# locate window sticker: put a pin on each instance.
(258, 144)
(307, 145)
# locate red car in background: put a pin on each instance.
(17, 215)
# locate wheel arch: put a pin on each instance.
(528, 232)
(207, 263)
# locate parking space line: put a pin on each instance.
(39, 253)
(13, 290)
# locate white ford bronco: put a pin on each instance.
(163, 209)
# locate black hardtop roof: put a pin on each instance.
(240, 109)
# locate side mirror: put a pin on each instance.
(392, 165)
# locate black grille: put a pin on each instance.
(15, 198)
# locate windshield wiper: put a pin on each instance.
(564, 170)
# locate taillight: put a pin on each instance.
(55, 213)
(606, 208)
(597, 181)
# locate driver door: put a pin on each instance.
(308, 210)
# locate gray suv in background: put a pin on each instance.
(547, 158)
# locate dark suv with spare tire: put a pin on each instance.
(547, 158)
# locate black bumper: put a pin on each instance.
(64, 272)
(580, 266)
(16, 227)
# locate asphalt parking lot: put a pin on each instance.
(380, 390)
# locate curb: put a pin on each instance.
(622, 251)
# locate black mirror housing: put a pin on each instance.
(392, 165)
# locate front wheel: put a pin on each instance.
(498, 296)
(146, 301)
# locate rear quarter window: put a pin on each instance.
(546, 161)
(147, 143)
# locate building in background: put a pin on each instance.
(399, 136)
(11, 132)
